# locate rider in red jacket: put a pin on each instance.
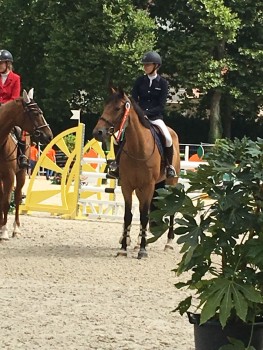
(10, 88)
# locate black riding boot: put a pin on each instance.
(114, 166)
(22, 158)
(170, 170)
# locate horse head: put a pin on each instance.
(115, 110)
(33, 119)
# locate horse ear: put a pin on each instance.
(121, 92)
(111, 90)
(31, 93)
(26, 97)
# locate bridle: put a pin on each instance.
(120, 120)
(31, 108)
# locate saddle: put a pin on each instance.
(16, 132)
(159, 139)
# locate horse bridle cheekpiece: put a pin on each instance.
(122, 119)
(31, 108)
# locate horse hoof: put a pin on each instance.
(168, 247)
(4, 237)
(16, 234)
(122, 253)
(142, 254)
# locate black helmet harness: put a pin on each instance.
(152, 57)
(6, 56)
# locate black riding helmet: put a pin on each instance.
(5, 56)
(152, 57)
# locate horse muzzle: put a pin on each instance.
(42, 137)
(101, 134)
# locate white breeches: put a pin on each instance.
(164, 130)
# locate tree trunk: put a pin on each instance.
(215, 131)
(226, 114)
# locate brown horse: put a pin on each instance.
(25, 113)
(141, 165)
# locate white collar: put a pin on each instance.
(152, 77)
(4, 77)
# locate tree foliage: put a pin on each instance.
(215, 46)
(71, 51)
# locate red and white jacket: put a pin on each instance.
(11, 89)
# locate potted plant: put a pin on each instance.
(221, 242)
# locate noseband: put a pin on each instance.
(30, 108)
(121, 119)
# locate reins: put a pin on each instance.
(122, 119)
(29, 108)
(14, 151)
(140, 159)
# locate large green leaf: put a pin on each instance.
(184, 305)
(240, 303)
(236, 345)
(250, 293)
(212, 299)
(226, 305)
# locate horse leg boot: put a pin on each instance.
(114, 166)
(170, 170)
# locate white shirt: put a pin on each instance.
(4, 77)
(152, 77)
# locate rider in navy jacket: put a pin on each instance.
(151, 99)
(150, 92)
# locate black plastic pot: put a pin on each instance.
(211, 336)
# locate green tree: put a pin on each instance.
(72, 51)
(92, 47)
(215, 46)
(25, 30)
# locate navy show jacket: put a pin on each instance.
(151, 99)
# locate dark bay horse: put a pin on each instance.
(25, 113)
(140, 165)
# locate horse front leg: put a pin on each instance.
(144, 219)
(1, 208)
(20, 181)
(170, 235)
(5, 204)
(16, 224)
(125, 239)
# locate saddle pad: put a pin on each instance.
(159, 139)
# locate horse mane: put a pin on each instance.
(10, 104)
(144, 121)
(118, 94)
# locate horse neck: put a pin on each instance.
(7, 120)
(136, 134)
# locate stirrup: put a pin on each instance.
(114, 170)
(22, 162)
(170, 172)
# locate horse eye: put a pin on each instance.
(117, 109)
